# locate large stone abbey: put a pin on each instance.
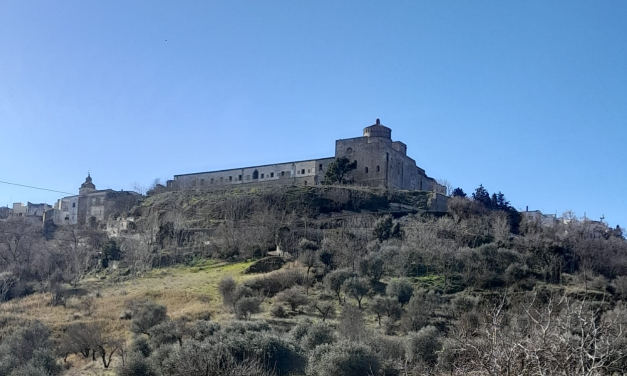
(381, 163)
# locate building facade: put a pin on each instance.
(92, 205)
(381, 163)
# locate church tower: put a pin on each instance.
(87, 186)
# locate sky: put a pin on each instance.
(525, 97)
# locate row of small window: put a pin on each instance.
(366, 169)
(256, 176)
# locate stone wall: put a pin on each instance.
(301, 172)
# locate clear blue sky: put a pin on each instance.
(525, 97)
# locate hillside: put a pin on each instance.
(366, 282)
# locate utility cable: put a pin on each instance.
(42, 189)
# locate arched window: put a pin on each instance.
(366, 170)
(378, 169)
(255, 174)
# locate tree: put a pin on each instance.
(246, 307)
(483, 196)
(146, 315)
(458, 192)
(385, 306)
(338, 170)
(384, 228)
(357, 287)
(309, 257)
(335, 280)
(400, 289)
(326, 309)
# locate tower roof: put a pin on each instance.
(88, 184)
(378, 130)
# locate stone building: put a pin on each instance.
(92, 203)
(381, 163)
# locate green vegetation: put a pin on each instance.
(360, 289)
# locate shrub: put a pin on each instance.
(416, 316)
(318, 334)
(401, 289)
(300, 330)
(342, 359)
(351, 325)
(208, 359)
(243, 327)
(423, 346)
(203, 329)
(294, 297)
(275, 282)
(227, 286)
(140, 345)
(278, 354)
(278, 311)
(136, 365)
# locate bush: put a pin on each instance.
(294, 297)
(275, 282)
(423, 346)
(136, 365)
(318, 334)
(209, 359)
(300, 330)
(141, 346)
(278, 354)
(401, 289)
(342, 359)
(243, 327)
(227, 286)
(203, 329)
(278, 311)
(351, 325)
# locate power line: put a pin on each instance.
(42, 189)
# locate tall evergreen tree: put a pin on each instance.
(483, 196)
(458, 192)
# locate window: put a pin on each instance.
(221, 179)
(366, 170)
(255, 174)
(309, 171)
(378, 169)
(262, 176)
(302, 172)
(202, 182)
(73, 204)
(211, 180)
(320, 167)
(247, 177)
(272, 174)
(282, 173)
(230, 178)
(239, 177)
(67, 217)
